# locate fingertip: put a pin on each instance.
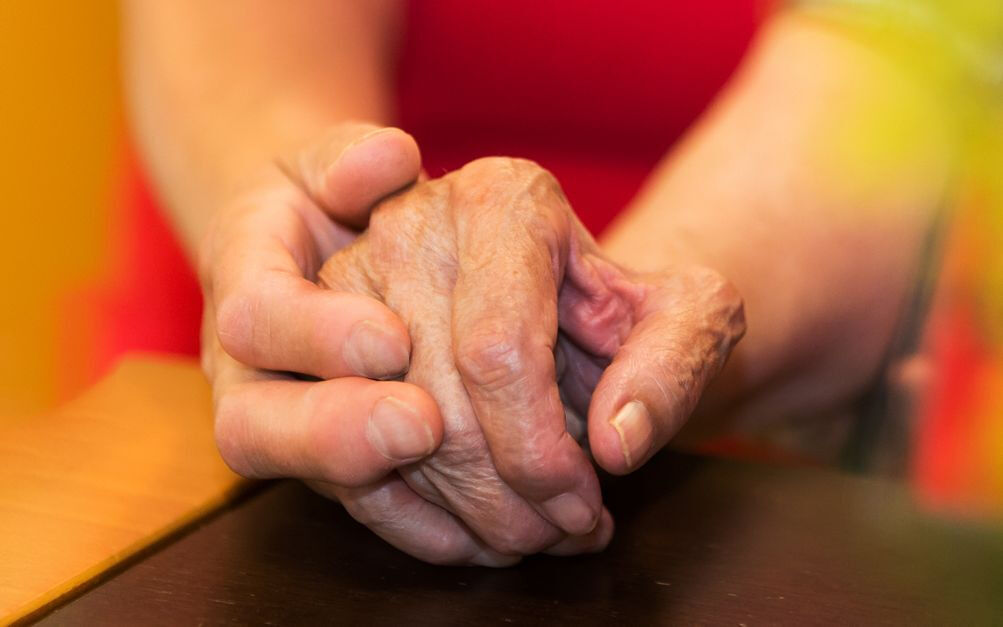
(607, 442)
(422, 408)
(556, 476)
(289, 324)
(593, 542)
(373, 166)
(571, 513)
(364, 429)
(599, 538)
(398, 432)
(377, 349)
(353, 334)
(605, 529)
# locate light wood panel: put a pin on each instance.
(88, 485)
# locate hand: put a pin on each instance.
(265, 318)
(481, 264)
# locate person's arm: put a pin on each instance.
(810, 185)
(218, 90)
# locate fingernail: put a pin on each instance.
(373, 352)
(397, 431)
(633, 424)
(570, 512)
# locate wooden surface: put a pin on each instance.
(699, 541)
(91, 484)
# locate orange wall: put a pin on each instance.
(59, 116)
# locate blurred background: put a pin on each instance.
(60, 133)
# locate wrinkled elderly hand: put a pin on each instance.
(510, 305)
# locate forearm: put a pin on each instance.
(811, 185)
(218, 89)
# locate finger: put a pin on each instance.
(395, 512)
(504, 332)
(420, 528)
(269, 316)
(682, 338)
(354, 166)
(349, 431)
(593, 542)
(580, 375)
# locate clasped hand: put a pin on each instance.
(485, 296)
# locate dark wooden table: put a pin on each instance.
(699, 541)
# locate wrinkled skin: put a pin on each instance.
(514, 313)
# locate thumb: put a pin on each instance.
(354, 165)
(684, 328)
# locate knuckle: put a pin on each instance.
(502, 164)
(530, 468)
(718, 300)
(491, 165)
(713, 283)
(518, 186)
(725, 302)
(510, 168)
(490, 358)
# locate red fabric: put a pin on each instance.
(594, 91)
(157, 304)
(151, 302)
